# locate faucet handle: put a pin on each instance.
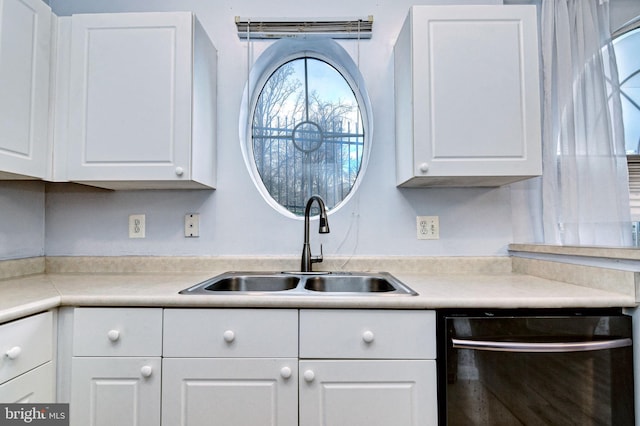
(317, 259)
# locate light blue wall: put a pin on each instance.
(380, 220)
(22, 212)
(623, 11)
(235, 220)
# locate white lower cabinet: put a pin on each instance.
(253, 367)
(367, 368)
(368, 392)
(230, 367)
(116, 367)
(26, 360)
(35, 386)
(115, 391)
(230, 392)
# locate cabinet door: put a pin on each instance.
(229, 392)
(368, 393)
(130, 100)
(35, 386)
(115, 391)
(468, 104)
(25, 31)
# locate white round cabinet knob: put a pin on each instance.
(113, 335)
(309, 375)
(146, 371)
(179, 171)
(229, 336)
(424, 167)
(368, 336)
(14, 352)
(285, 372)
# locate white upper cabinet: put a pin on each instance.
(467, 96)
(141, 101)
(25, 32)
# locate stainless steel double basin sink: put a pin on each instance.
(302, 283)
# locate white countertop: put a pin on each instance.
(27, 295)
(441, 282)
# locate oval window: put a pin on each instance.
(626, 47)
(307, 133)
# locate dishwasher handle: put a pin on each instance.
(540, 347)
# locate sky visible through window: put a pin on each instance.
(307, 134)
(627, 48)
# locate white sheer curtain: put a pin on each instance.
(585, 197)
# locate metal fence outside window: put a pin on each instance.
(295, 164)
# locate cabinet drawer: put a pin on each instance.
(117, 332)
(230, 333)
(367, 334)
(25, 344)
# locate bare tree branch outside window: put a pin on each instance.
(307, 134)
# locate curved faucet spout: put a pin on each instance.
(307, 258)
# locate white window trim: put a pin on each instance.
(279, 53)
(633, 164)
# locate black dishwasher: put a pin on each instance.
(527, 367)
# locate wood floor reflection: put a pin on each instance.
(495, 389)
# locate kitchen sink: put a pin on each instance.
(251, 282)
(351, 283)
(302, 283)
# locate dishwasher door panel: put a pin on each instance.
(512, 370)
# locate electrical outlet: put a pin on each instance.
(137, 226)
(192, 225)
(428, 227)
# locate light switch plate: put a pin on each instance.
(192, 225)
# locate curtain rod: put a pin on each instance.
(270, 28)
